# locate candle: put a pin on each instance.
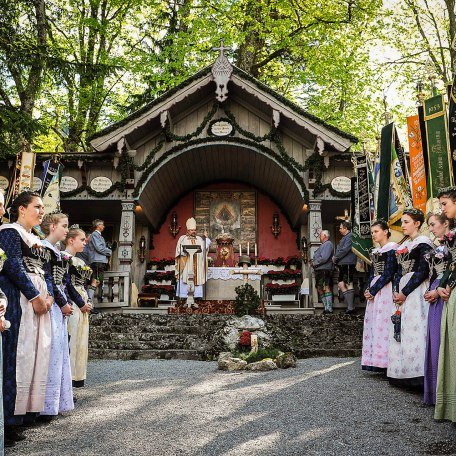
(256, 253)
(240, 249)
(248, 248)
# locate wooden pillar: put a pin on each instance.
(126, 235)
(314, 227)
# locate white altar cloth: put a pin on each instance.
(221, 273)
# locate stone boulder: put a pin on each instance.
(247, 323)
(286, 360)
(228, 363)
(234, 327)
(263, 365)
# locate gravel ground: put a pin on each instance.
(326, 406)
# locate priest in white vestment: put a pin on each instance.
(199, 261)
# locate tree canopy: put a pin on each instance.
(68, 68)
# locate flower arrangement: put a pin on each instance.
(159, 289)
(245, 341)
(280, 261)
(160, 276)
(2, 255)
(285, 274)
(160, 262)
(286, 288)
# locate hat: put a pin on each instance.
(191, 224)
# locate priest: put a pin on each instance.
(199, 261)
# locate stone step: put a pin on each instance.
(150, 337)
(145, 354)
(97, 331)
(162, 344)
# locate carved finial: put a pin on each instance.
(221, 71)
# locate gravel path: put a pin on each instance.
(325, 406)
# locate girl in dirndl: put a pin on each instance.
(59, 391)
(445, 404)
(439, 226)
(379, 295)
(78, 323)
(407, 341)
(26, 345)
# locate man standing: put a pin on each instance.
(199, 261)
(323, 266)
(345, 260)
(98, 254)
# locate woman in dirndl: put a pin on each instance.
(78, 324)
(26, 345)
(379, 296)
(407, 341)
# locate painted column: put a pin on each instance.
(314, 227)
(126, 235)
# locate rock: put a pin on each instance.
(228, 363)
(231, 337)
(286, 360)
(247, 322)
(263, 365)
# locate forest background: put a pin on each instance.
(71, 67)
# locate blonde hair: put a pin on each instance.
(51, 219)
(72, 234)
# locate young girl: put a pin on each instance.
(439, 226)
(379, 295)
(59, 392)
(445, 405)
(26, 346)
(78, 323)
(407, 341)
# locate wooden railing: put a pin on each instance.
(116, 290)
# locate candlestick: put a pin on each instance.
(248, 248)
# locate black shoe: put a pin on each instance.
(13, 434)
(78, 383)
(45, 418)
(350, 312)
(94, 311)
(9, 443)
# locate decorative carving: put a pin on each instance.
(142, 249)
(221, 72)
(128, 207)
(276, 228)
(225, 253)
(164, 118)
(320, 146)
(275, 118)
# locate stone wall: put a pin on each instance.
(140, 336)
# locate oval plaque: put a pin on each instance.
(37, 182)
(68, 183)
(100, 183)
(221, 128)
(341, 184)
(3, 183)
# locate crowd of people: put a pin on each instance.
(46, 296)
(410, 319)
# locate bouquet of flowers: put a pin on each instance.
(245, 340)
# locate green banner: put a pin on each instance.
(440, 165)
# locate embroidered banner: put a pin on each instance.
(362, 185)
(392, 192)
(50, 192)
(452, 123)
(417, 167)
(27, 167)
(440, 165)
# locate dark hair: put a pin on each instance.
(383, 225)
(23, 199)
(346, 225)
(415, 214)
(447, 192)
(442, 218)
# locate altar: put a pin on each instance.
(222, 282)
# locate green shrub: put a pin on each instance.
(247, 300)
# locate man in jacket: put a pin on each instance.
(98, 253)
(345, 260)
(323, 266)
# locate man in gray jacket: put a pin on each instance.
(98, 253)
(345, 260)
(323, 266)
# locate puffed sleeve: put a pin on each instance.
(10, 242)
(422, 273)
(388, 273)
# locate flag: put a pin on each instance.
(452, 123)
(27, 166)
(417, 164)
(362, 185)
(50, 192)
(392, 194)
(440, 162)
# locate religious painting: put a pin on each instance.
(232, 212)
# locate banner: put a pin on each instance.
(452, 123)
(440, 164)
(50, 192)
(392, 195)
(362, 185)
(417, 166)
(27, 167)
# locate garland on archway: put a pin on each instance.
(315, 161)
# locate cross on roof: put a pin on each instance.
(222, 48)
